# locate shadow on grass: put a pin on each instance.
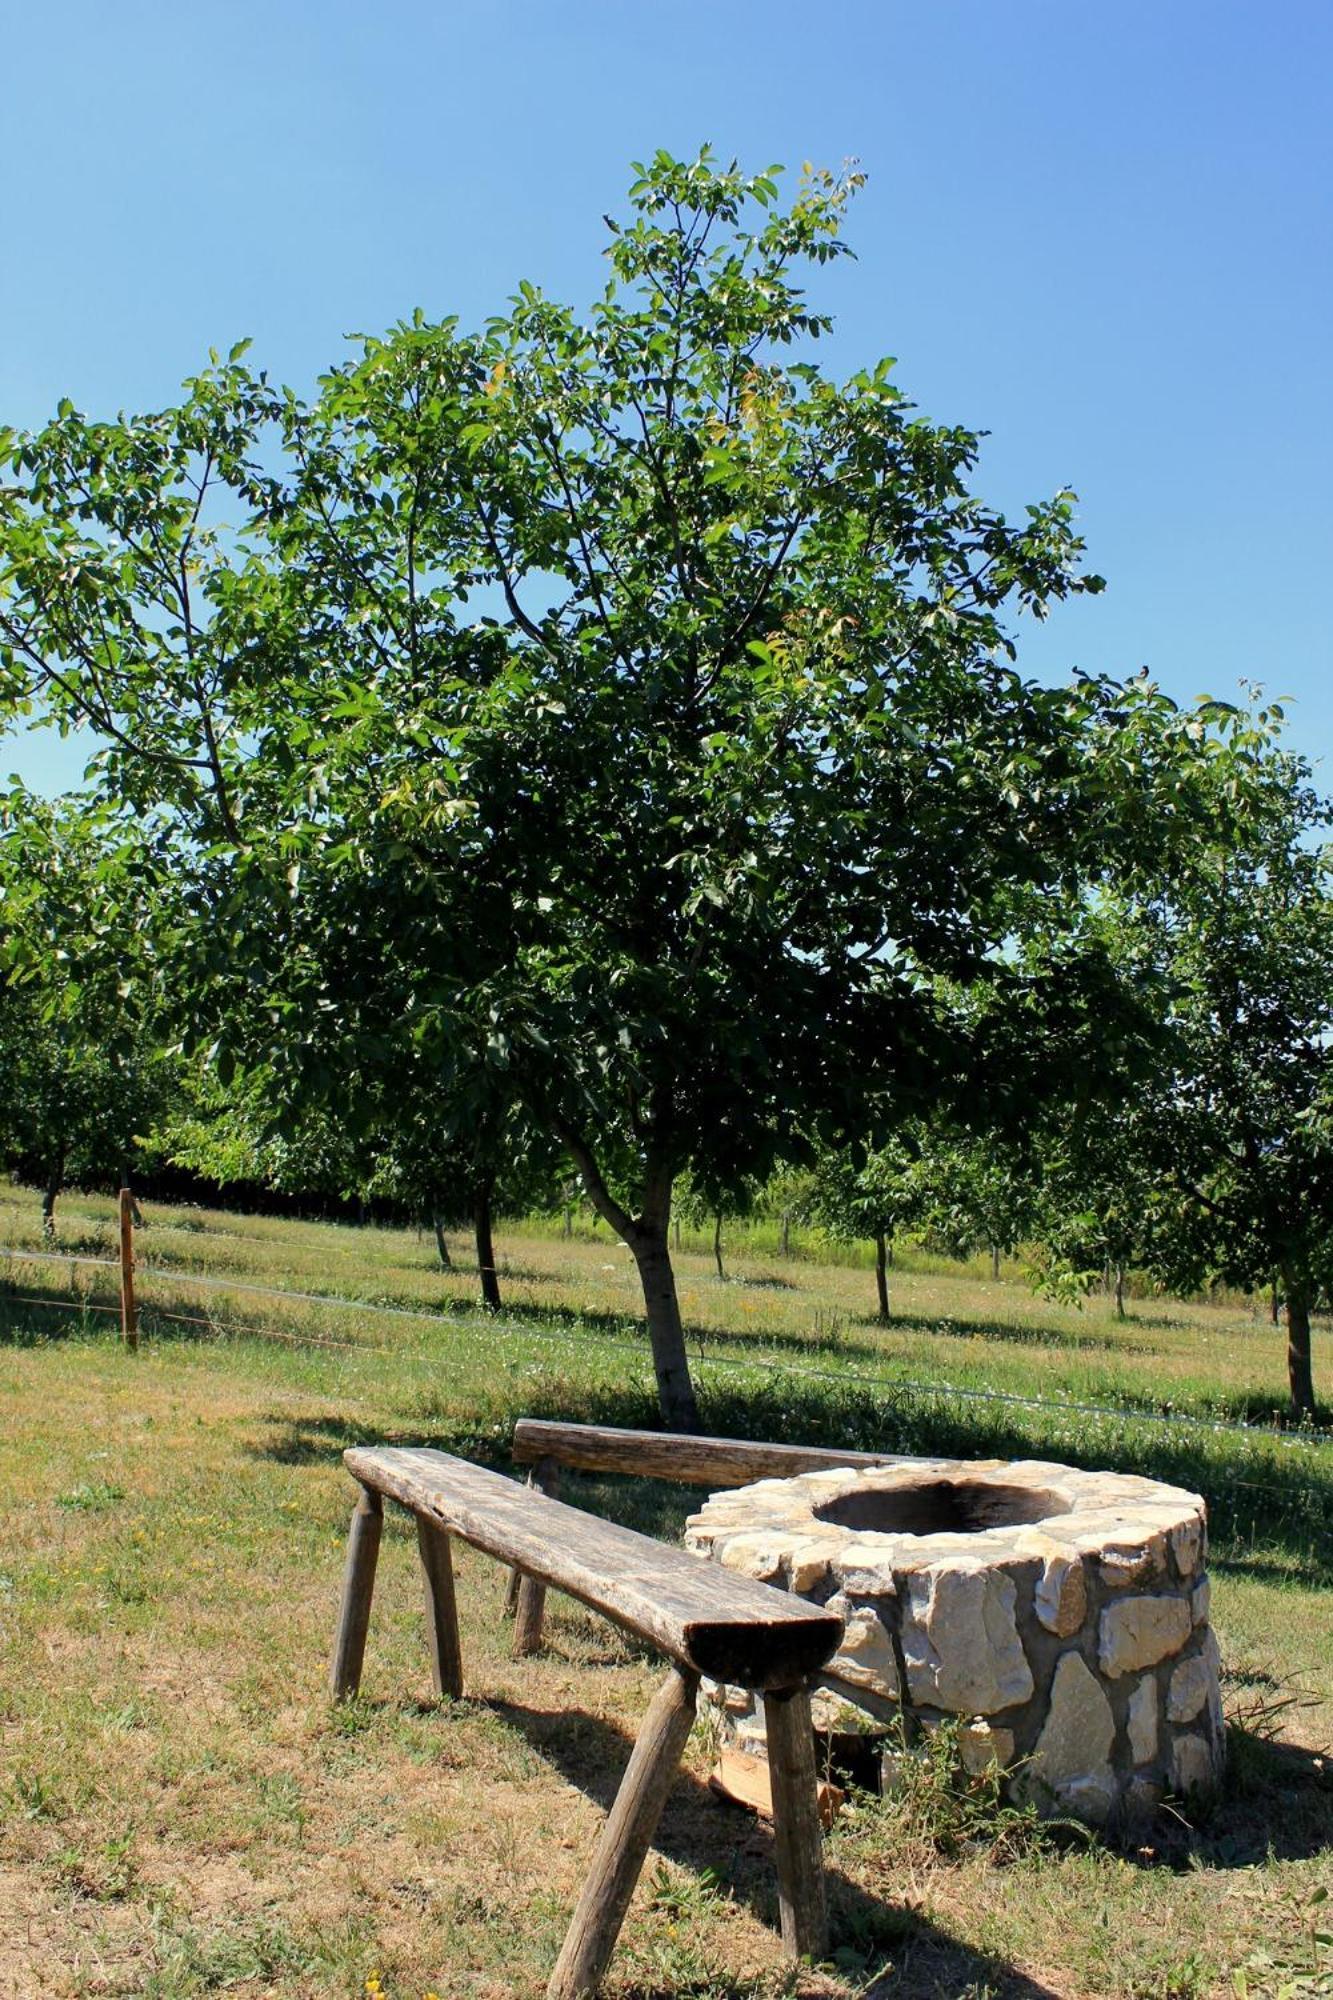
(1264, 1509)
(700, 1831)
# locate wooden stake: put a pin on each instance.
(530, 1597)
(437, 1570)
(363, 1547)
(796, 1835)
(129, 1311)
(625, 1840)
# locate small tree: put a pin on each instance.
(871, 1198)
(80, 1001)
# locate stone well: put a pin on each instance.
(1061, 1617)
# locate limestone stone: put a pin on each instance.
(981, 1745)
(1192, 1765)
(1139, 1631)
(1125, 1563)
(1072, 1761)
(833, 1714)
(1141, 1721)
(1061, 1595)
(1201, 1601)
(1187, 1545)
(808, 1564)
(865, 1658)
(1188, 1692)
(960, 1640)
(758, 1554)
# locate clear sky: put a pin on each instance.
(1100, 232)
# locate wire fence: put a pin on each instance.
(841, 1377)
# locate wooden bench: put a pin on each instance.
(692, 1461)
(705, 1619)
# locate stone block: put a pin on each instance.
(1193, 1765)
(1060, 1598)
(866, 1657)
(1071, 1763)
(960, 1641)
(1187, 1545)
(758, 1555)
(1142, 1719)
(1126, 1563)
(1187, 1695)
(1201, 1601)
(1137, 1632)
(981, 1745)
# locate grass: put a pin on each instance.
(182, 1813)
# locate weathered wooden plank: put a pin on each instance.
(796, 1834)
(625, 1840)
(437, 1575)
(748, 1780)
(694, 1461)
(530, 1603)
(349, 1642)
(706, 1618)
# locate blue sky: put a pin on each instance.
(1101, 233)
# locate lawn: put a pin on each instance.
(183, 1812)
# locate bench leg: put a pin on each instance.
(528, 1596)
(796, 1829)
(363, 1547)
(625, 1840)
(437, 1572)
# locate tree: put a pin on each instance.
(84, 1078)
(686, 829)
(1239, 1119)
(872, 1198)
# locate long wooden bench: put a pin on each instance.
(705, 1619)
(548, 1447)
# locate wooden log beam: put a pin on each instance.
(796, 1830)
(694, 1461)
(625, 1841)
(363, 1547)
(708, 1619)
(437, 1573)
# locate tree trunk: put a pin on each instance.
(882, 1275)
(676, 1226)
(481, 1226)
(995, 1262)
(1300, 1372)
(1120, 1291)
(441, 1246)
(717, 1246)
(666, 1334)
(1275, 1305)
(49, 1193)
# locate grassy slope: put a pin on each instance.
(182, 1813)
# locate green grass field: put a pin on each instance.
(184, 1814)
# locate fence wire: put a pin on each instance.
(842, 1377)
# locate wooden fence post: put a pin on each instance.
(129, 1311)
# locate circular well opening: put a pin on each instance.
(939, 1507)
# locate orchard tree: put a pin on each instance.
(80, 1001)
(1239, 1123)
(872, 1197)
(730, 774)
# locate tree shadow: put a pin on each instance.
(700, 1830)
